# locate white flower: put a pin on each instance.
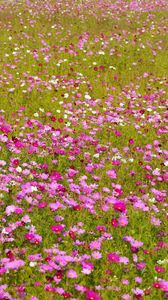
(32, 264)
(96, 155)
(19, 169)
(34, 189)
(87, 97)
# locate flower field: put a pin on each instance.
(83, 149)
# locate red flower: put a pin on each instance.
(59, 274)
(156, 285)
(53, 119)
(77, 207)
(72, 235)
(60, 120)
(66, 295)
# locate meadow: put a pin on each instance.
(83, 149)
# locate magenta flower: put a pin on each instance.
(90, 295)
(113, 257)
(6, 128)
(56, 176)
(119, 206)
(33, 238)
(114, 223)
(159, 269)
(101, 228)
(57, 228)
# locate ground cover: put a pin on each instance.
(83, 150)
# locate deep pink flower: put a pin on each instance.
(33, 238)
(114, 257)
(56, 176)
(119, 206)
(57, 228)
(156, 285)
(6, 128)
(159, 269)
(131, 141)
(91, 295)
(114, 223)
(101, 228)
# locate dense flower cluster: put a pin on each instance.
(83, 158)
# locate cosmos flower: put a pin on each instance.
(15, 264)
(57, 228)
(91, 295)
(113, 257)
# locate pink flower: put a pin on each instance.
(124, 260)
(15, 264)
(55, 206)
(155, 221)
(125, 281)
(164, 285)
(71, 274)
(96, 255)
(138, 279)
(126, 297)
(87, 265)
(114, 257)
(101, 228)
(95, 245)
(141, 265)
(138, 292)
(112, 173)
(123, 220)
